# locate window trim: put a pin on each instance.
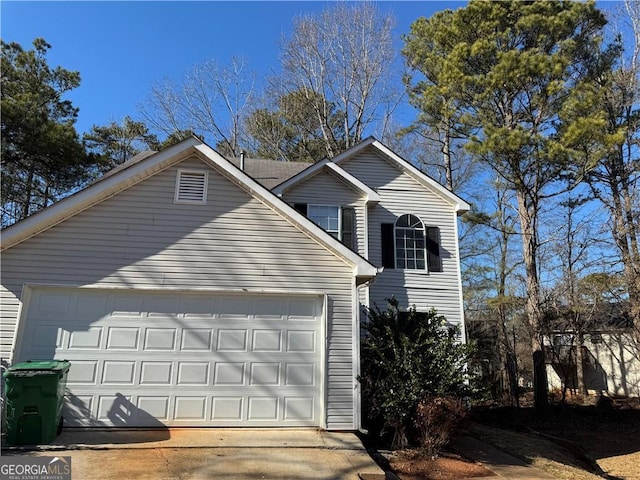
(432, 245)
(423, 229)
(338, 234)
(182, 172)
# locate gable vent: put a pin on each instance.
(191, 187)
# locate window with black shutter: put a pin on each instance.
(387, 245)
(300, 207)
(348, 227)
(410, 249)
(434, 259)
(409, 244)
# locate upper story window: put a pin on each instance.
(409, 243)
(191, 187)
(338, 221)
(325, 216)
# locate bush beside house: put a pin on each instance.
(411, 362)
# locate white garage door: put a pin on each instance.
(180, 359)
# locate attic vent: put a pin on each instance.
(191, 187)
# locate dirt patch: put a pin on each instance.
(413, 465)
(584, 433)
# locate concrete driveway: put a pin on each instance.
(201, 453)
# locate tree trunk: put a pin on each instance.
(582, 388)
(528, 216)
(28, 193)
(446, 153)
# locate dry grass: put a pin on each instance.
(622, 466)
(535, 451)
(570, 439)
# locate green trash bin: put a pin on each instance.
(34, 395)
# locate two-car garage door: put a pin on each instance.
(143, 358)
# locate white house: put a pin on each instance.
(185, 292)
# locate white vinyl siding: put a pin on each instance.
(325, 187)
(141, 239)
(401, 194)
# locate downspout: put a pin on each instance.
(356, 350)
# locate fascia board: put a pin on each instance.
(95, 193)
(362, 267)
(460, 206)
(371, 195)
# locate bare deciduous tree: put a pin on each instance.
(343, 57)
(212, 100)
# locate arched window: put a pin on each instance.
(410, 243)
(407, 243)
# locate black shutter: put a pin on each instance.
(348, 227)
(301, 207)
(388, 247)
(434, 260)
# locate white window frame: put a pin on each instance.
(179, 176)
(405, 260)
(336, 233)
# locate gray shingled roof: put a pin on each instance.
(270, 173)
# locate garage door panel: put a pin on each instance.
(150, 359)
(301, 341)
(89, 339)
(190, 408)
(196, 339)
(159, 339)
(298, 407)
(44, 337)
(235, 309)
(193, 373)
(122, 338)
(263, 409)
(264, 374)
(50, 303)
(115, 410)
(266, 341)
(227, 409)
(118, 372)
(83, 372)
(155, 406)
(156, 373)
(227, 374)
(196, 307)
(300, 374)
(126, 305)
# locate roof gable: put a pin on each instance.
(333, 170)
(460, 206)
(147, 166)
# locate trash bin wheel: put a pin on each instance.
(60, 425)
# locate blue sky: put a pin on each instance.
(122, 48)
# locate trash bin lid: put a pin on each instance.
(42, 366)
